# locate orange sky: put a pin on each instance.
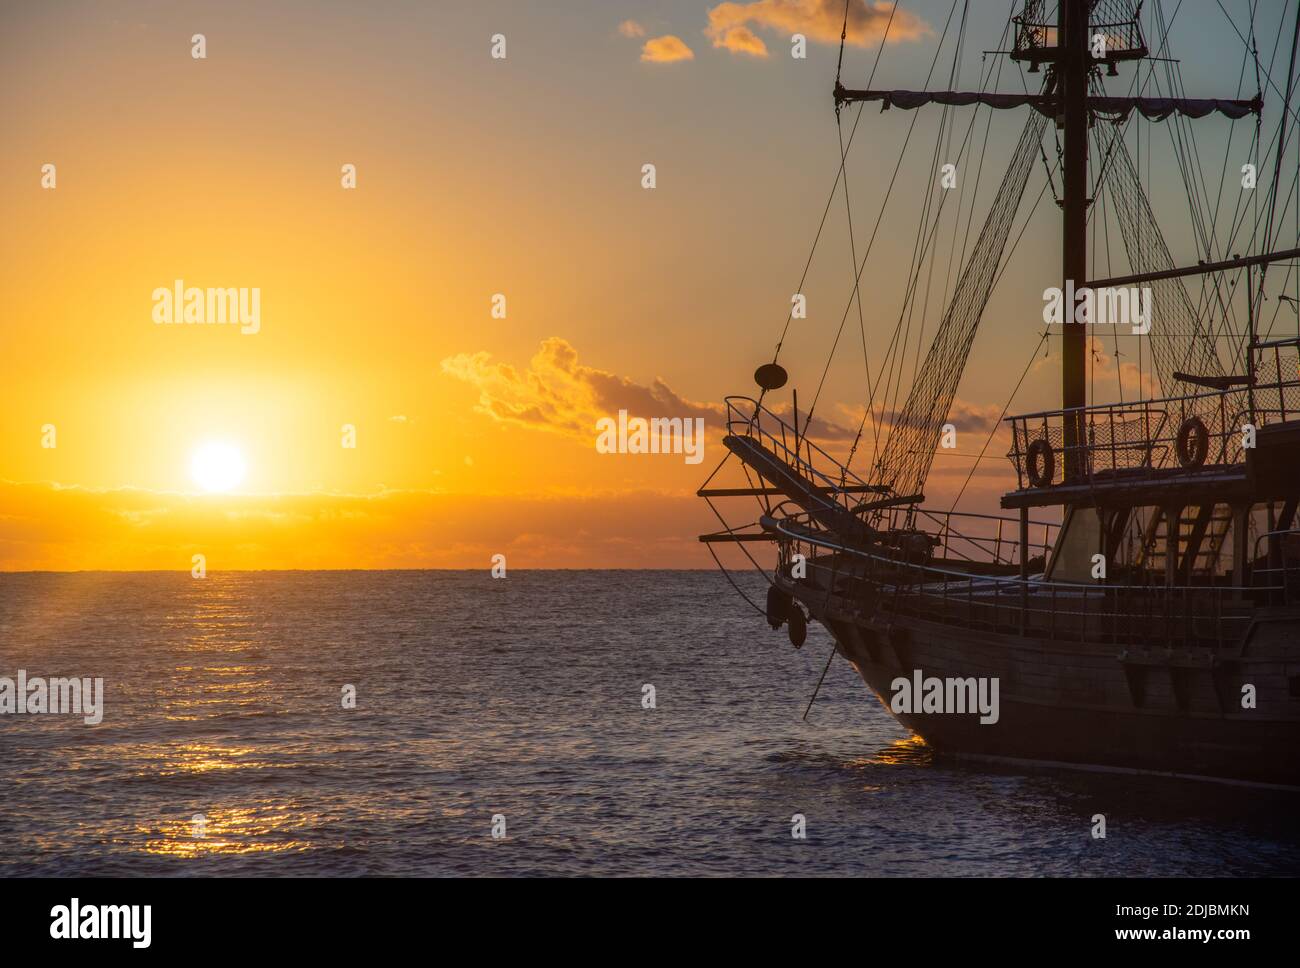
(474, 435)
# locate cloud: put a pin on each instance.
(666, 50)
(818, 20)
(630, 28)
(965, 415)
(558, 394)
(1129, 380)
(741, 40)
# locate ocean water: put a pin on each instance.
(522, 697)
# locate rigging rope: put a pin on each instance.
(909, 451)
(880, 217)
(894, 352)
(1180, 342)
(838, 174)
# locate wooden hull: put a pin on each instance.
(1084, 704)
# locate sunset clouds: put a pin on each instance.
(556, 393)
(733, 27)
(666, 50)
(818, 20)
(740, 40)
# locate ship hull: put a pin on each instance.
(1094, 705)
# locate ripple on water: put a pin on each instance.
(223, 701)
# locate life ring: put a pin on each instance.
(1040, 463)
(798, 628)
(1193, 443)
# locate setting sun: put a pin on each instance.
(217, 467)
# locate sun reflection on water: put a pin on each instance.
(240, 830)
(206, 757)
(913, 751)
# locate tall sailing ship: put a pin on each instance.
(1153, 622)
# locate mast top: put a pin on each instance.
(1113, 34)
(1037, 40)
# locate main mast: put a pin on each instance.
(1072, 70)
(1066, 49)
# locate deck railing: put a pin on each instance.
(1036, 36)
(748, 418)
(1277, 571)
(856, 583)
(1140, 439)
(984, 538)
(961, 536)
(955, 536)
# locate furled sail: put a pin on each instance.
(1151, 108)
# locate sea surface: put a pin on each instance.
(522, 698)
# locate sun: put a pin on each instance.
(217, 467)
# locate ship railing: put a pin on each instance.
(1277, 367)
(1278, 570)
(985, 538)
(1033, 37)
(746, 417)
(1141, 439)
(878, 583)
(1036, 37)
